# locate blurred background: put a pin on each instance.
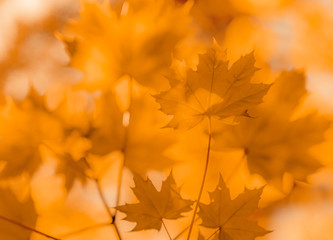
(36, 49)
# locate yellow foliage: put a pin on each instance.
(81, 87)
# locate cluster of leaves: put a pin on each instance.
(133, 61)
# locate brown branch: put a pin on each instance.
(27, 228)
(235, 168)
(213, 234)
(96, 226)
(203, 179)
(166, 229)
(101, 195)
(184, 230)
(107, 208)
(124, 149)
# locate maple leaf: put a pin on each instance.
(71, 146)
(19, 145)
(36, 125)
(101, 132)
(146, 142)
(25, 125)
(72, 170)
(115, 45)
(274, 143)
(21, 212)
(23, 69)
(107, 133)
(215, 16)
(232, 216)
(213, 90)
(154, 206)
(71, 162)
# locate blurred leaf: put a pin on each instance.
(273, 142)
(20, 212)
(145, 144)
(72, 170)
(102, 132)
(214, 16)
(25, 126)
(109, 46)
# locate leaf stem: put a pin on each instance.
(104, 201)
(124, 149)
(236, 167)
(96, 226)
(117, 230)
(166, 229)
(203, 178)
(213, 234)
(27, 228)
(99, 188)
(100, 192)
(184, 230)
(112, 217)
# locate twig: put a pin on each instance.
(96, 226)
(203, 179)
(100, 192)
(184, 230)
(117, 230)
(236, 167)
(213, 234)
(166, 229)
(112, 217)
(124, 149)
(99, 188)
(27, 228)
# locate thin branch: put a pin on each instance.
(117, 230)
(96, 226)
(104, 201)
(27, 228)
(203, 179)
(166, 229)
(236, 167)
(184, 230)
(213, 234)
(99, 188)
(124, 149)
(100, 192)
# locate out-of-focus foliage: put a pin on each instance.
(27, 125)
(137, 43)
(274, 142)
(19, 211)
(81, 85)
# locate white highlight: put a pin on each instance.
(126, 119)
